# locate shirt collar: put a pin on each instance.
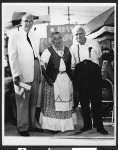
(25, 33)
(57, 49)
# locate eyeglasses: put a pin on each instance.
(80, 33)
(56, 39)
(27, 21)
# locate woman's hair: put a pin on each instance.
(53, 33)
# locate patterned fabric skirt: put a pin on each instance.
(50, 118)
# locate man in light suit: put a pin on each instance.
(24, 61)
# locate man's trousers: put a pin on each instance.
(26, 102)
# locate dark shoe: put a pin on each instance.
(78, 132)
(54, 132)
(24, 133)
(36, 130)
(85, 129)
(51, 131)
(103, 131)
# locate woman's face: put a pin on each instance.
(57, 40)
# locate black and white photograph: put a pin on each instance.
(59, 74)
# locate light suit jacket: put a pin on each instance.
(21, 56)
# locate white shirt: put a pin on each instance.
(84, 52)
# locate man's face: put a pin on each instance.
(57, 40)
(80, 35)
(27, 23)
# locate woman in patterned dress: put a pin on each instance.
(57, 90)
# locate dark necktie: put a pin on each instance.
(28, 39)
(90, 48)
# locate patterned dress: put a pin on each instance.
(57, 100)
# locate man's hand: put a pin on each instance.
(16, 80)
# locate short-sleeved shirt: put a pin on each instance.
(84, 52)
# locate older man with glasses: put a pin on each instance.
(25, 66)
